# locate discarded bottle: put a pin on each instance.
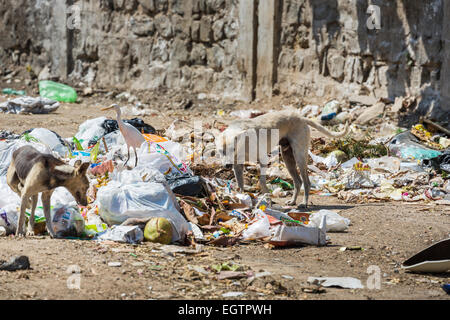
(57, 91)
(13, 92)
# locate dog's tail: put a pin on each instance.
(327, 132)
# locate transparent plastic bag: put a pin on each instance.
(67, 221)
(118, 202)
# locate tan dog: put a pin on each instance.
(32, 172)
(257, 137)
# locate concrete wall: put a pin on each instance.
(241, 49)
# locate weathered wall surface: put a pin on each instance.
(146, 44)
(328, 49)
(242, 49)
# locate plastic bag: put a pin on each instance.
(187, 185)
(125, 234)
(91, 129)
(118, 202)
(67, 221)
(29, 105)
(302, 234)
(7, 149)
(63, 196)
(245, 199)
(335, 223)
(138, 175)
(57, 91)
(8, 218)
(94, 223)
(406, 146)
(139, 124)
(49, 139)
(258, 229)
(154, 155)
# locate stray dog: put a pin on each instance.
(32, 172)
(286, 129)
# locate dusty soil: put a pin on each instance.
(389, 233)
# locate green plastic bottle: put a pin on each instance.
(57, 91)
(13, 92)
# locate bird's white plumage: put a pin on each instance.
(133, 138)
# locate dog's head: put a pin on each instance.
(76, 181)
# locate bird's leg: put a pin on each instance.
(128, 157)
(135, 153)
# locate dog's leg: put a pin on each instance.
(21, 221)
(30, 228)
(262, 179)
(239, 174)
(301, 158)
(291, 165)
(45, 197)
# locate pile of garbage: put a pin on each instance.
(159, 200)
(398, 165)
(167, 198)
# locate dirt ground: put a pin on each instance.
(389, 233)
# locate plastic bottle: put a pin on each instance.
(14, 92)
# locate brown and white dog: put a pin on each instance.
(257, 137)
(32, 172)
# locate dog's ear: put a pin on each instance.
(77, 164)
(81, 169)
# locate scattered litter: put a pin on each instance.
(334, 222)
(340, 282)
(114, 264)
(124, 234)
(57, 91)
(233, 294)
(25, 105)
(16, 263)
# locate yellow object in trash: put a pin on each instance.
(421, 128)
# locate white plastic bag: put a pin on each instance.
(50, 139)
(118, 202)
(141, 174)
(335, 223)
(302, 234)
(90, 129)
(245, 199)
(7, 149)
(63, 196)
(258, 229)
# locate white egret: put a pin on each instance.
(132, 136)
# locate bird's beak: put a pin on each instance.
(107, 108)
